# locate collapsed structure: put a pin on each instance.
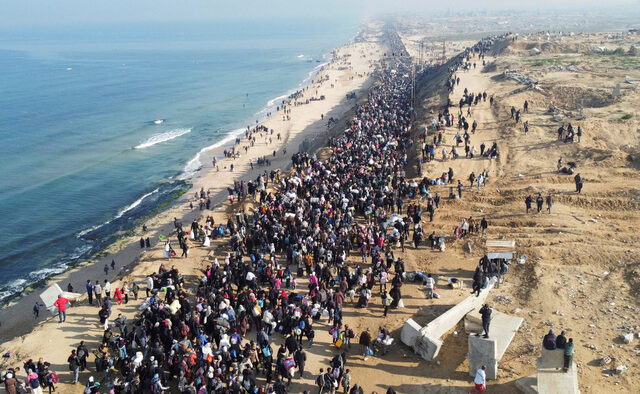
(426, 341)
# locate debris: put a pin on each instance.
(627, 338)
(519, 77)
(621, 368)
(559, 231)
(604, 361)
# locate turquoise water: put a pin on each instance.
(94, 119)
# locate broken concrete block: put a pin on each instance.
(410, 332)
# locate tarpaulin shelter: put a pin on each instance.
(500, 249)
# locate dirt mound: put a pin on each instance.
(573, 96)
(520, 47)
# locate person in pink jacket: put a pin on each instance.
(61, 303)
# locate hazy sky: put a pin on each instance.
(64, 12)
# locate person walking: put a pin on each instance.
(33, 381)
(480, 381)
(385, 302)
(578, 181)
(539, 202)
(61, 303)
(97, 289)
(74, 365)
(107, 288)
(90, 291)
(149, 284)
(82, 352)
(11, 383)
(549, 203)
(365, 341)
(320, 381)
(528, 201)
(36, 310)
(483, 225)
(579, 134)
(346, 381)
(300, 357)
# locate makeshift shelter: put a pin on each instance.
(500, 249)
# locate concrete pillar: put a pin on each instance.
(483, 351)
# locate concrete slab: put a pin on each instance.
(488, 351)
(551, 378)
(528, 385)
(473, 323)
(428, 345)
(483, 351)
(410, 332)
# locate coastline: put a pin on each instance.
(16, 318)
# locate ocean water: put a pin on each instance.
(99, 125)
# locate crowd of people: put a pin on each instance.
(305, 224)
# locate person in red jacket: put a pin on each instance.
(118, 296)
(61, 303)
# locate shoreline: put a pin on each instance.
(15, 316)
(185, 177)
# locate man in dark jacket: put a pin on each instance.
(561, 340)
(484, 224)
(549, 340)
(291, 343)
(539, 202)
(74, 365)
(300, 357)
(485, 311)
(477, 280)
(528, 201)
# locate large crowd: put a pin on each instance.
(219, 338)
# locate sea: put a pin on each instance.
(102, 125)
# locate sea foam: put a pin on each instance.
(162, 137)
